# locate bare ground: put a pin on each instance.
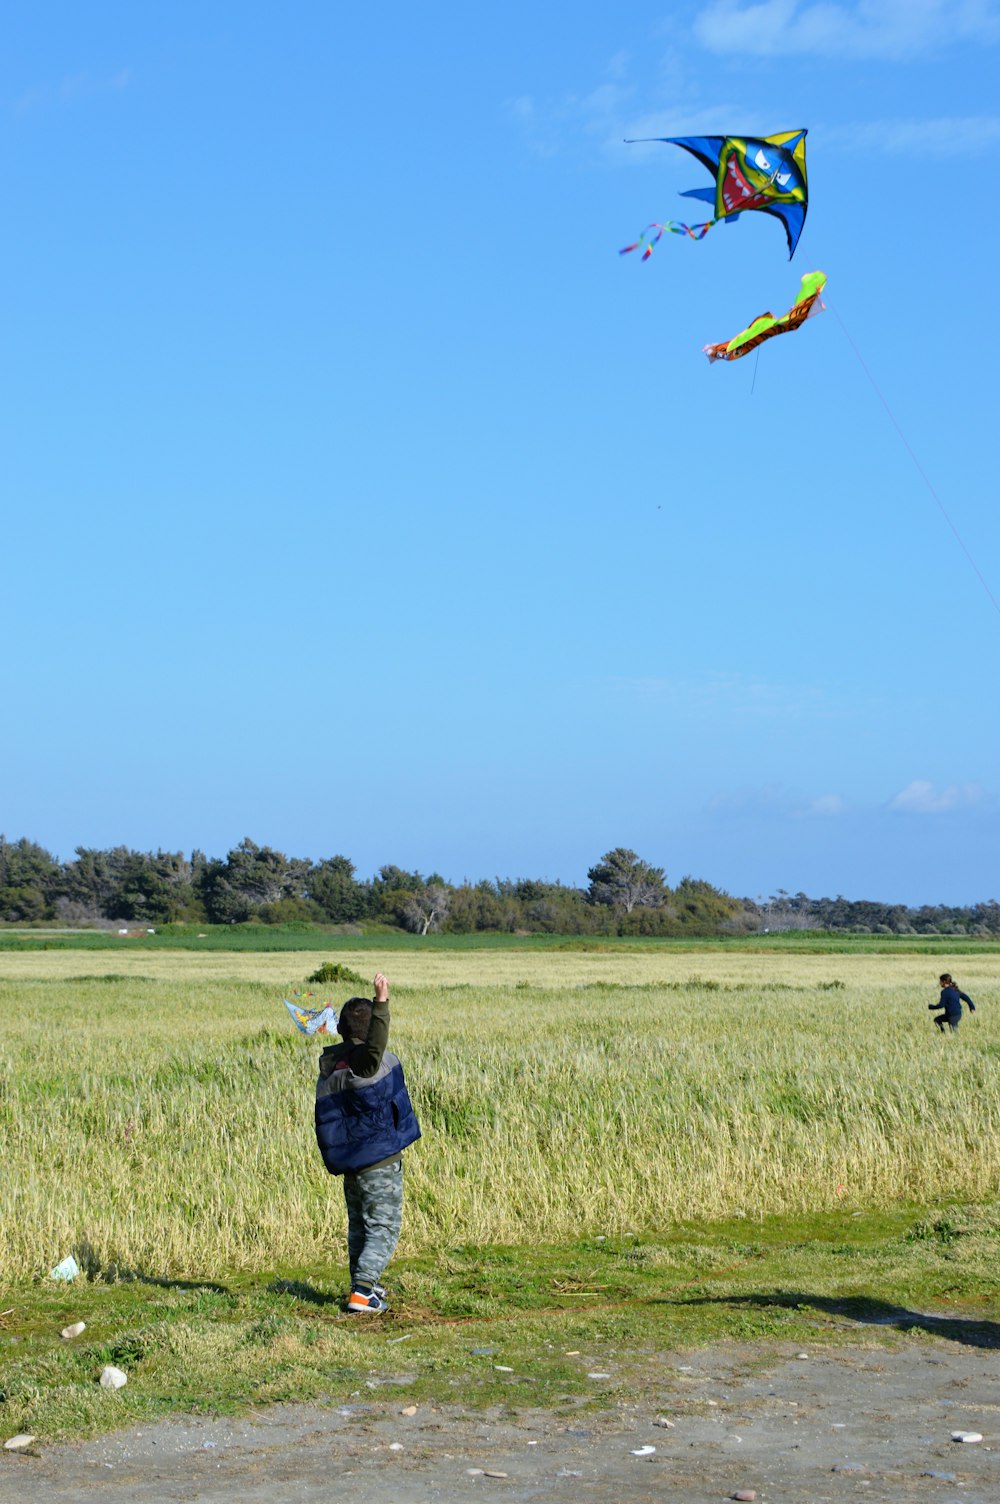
(853, 1423)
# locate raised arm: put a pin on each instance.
(365, 1058)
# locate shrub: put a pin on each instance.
(332, 971)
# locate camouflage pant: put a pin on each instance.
(374, 1216)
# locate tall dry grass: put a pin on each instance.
(162, 1122)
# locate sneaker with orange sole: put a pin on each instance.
(371, 1305)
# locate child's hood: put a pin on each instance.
(328, 1059)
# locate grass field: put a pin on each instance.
(163, 1118)
(155, 1118)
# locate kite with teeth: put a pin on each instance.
(751, 172)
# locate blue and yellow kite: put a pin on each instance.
(751, 172)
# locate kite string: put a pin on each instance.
(919, 467)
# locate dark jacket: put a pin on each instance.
(951, 1001)
(364, 1116)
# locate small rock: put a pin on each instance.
(574, 1354)
(113, 1378)
(966, 1436)
(745, 1493)
(802, 1355)
(482, 1352)
(598, 1376)
(502, 1368)
(568, 1472)
(395, 1446)
(18, 1443)
(408, 1410)
(643, 1451)
(488, 1474)
(661, 1420)
(76, 1330)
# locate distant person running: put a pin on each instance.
(951, 1004)
(364, 1121)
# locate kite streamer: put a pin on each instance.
(696, 232)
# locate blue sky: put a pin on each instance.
(361, 499)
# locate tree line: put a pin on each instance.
(625, 895)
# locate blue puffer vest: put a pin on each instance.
(365, 1123)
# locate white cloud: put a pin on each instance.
(921, 797)
(884, 29)
(774, 800)
(73, 89)
(770, 798)
(826, 804)
(713, 120)
(609, 112)
(736, 695)
(930, 138)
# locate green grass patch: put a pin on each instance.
(508, 1326)
(383, 939)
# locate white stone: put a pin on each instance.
(76, 1330)
(966, 1436)
(113, 1378)
(18, 1443)
(643, 1451)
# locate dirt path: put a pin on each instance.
(856, 1423)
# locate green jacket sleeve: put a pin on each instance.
(365, 1058)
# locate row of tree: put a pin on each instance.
(256, 883)
(624, 895)
(797, 911)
